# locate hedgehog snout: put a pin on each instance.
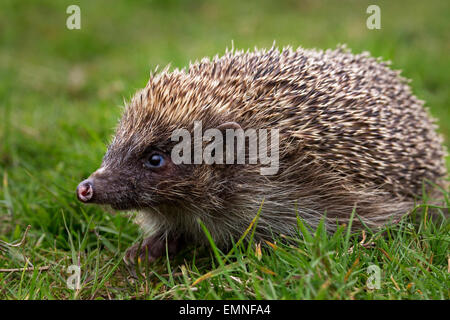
(105, 187)
(85, 191)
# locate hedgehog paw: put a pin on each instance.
(151, 249)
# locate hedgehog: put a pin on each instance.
(352, 140)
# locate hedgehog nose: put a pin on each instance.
(85, 191)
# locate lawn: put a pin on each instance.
(61, 93)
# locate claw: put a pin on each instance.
(151, 249)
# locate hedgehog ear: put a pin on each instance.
(229, 125)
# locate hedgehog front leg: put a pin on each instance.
(152, 248)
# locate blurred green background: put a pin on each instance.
(61, 90)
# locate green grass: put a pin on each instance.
(60, 98)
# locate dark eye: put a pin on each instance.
(155, 161)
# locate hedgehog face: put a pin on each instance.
(137, 172)
(130, 178)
